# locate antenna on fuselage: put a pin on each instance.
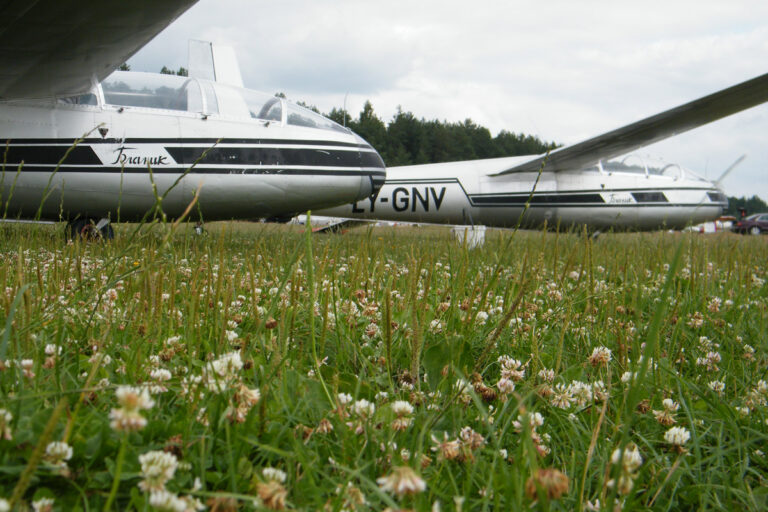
(344, 110)
(728, 170)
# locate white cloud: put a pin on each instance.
(562, 70)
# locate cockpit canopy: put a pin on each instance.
(183, 94)
(645, 165)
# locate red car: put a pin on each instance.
(754, 224)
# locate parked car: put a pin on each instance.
(754, 224)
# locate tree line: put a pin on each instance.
(409, 140)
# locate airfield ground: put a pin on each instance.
(256, 366)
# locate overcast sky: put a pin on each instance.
(561, 70)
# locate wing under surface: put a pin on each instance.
(62, 47)
(652, 129)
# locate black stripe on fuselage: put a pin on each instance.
(537, 198)
(50, 155)
(83, 154)
(274, 156)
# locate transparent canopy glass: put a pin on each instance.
(150, 90)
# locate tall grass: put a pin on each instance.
(385, 315)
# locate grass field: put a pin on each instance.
(256, 367)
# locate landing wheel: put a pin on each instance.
(754, 230)
(88, 230)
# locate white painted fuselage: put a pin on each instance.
(246, 165)
(465, 193)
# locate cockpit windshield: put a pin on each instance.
(300, 116)
(150, 90)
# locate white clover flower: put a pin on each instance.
(273, 475)
(506, 386)
(133, 398)
(220, 373)
(581, 392)
(402, 481)
(127, 417)
(52, 349)
(717, 386)
(4, 505)
(58, 453)
(601, 356)
(160, 374)
(5, 424)
(157, 467)
(166, 501)
(363, 408)
(344, 398)
(43, 505)
(677, 436)
(630, 458)
(402, 408)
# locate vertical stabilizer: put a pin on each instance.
(212, 62)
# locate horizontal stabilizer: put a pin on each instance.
(652, 129)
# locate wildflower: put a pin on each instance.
(696, 320)
(471, 438)
(506, 386)
(448, 449)
(677, 437)
(5, 424)
(561, 396)
(159, 375)
(628, 376)
(354, 498)
(324, 427)
(481, 318)
(581, 392)
(717, 386)
(710, 361)
(271, 489)
(402, 481)
(552, 482)
(436, 326)
(546, 375)
(277, 475)
(220, 373)
(363, 408)
(127, 417)
(462, 387)
(157, 467)
(629, 458)
(402, 410)
(27, 365)
(344, 398)
(4, 505)
(43, 505)
(599, 392)
(511, 368)
(667, 416)
(58, 453)
(166, 501)
(601, 356)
